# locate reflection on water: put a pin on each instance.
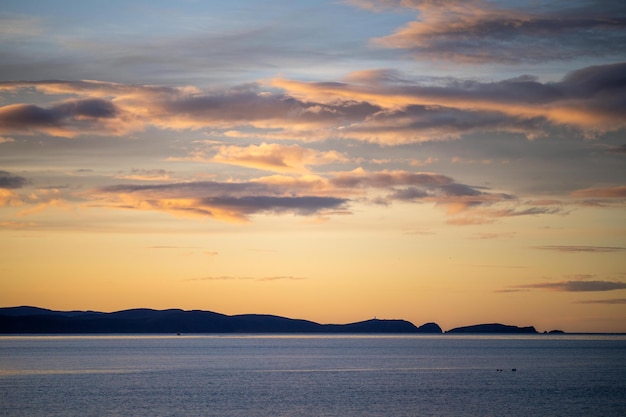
(308, 375)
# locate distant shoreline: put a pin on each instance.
(27, 320)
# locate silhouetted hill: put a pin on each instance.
(374, 326)
(493, 328)
(430, 328)
(37, 311)
(38, 321)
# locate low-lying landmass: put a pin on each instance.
(34, 320)
(493, 328)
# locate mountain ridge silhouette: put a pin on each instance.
(36, 320)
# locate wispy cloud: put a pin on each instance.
(233, 201)
(589, 99)
(501, 266)
(146, 175)
(270, 157)
(68, 118)
(478, 204)
(579, 277)
(489, 213)
(281, 278)
(20, 27)
(385, 112)
(172, 247)
(617, 150)
(510, 290)
(577, 249)
(608, 301)
(16, 225)
(11, 181)
(576, 286)
(606, 192)
(419, 232)
(316, 195)
(220, 278)
(8, 183)
(483, 31)
(500, 235)
(241, 278)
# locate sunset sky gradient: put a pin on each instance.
(460, 162)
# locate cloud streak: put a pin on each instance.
(269, 157)
(68, 118)
(11, 181)
(607, 192)
(578, 249)
(315, 195)
(417, 187)
(482, 31)
(258, 279)
(610, 301)
(371, 108)
(589, 99)
(229, 201)
(8, 183)
(577, 286)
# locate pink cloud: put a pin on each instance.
(606, 192)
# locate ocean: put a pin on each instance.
(302, 375)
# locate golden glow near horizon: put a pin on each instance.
(330, 161)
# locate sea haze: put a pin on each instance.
(312, 375)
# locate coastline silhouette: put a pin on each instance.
(37, 320)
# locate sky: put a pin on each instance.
(458, 162)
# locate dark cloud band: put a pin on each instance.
(8, 180)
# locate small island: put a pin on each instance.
(493, 328)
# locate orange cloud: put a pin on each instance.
(228, 201)
(6, 140)
(9, 198)
(50, 203)
(310, 195)
(17, 225)
(379, 106)
(270, 157)
(589, 99)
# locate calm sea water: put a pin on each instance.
(312, 376)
